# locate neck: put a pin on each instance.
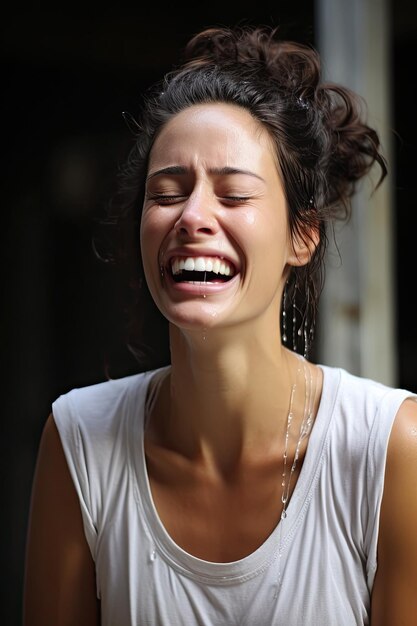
(226, 400)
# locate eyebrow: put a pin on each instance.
(179, 170)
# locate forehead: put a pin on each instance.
(213, 132)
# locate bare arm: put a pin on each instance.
(394, 598)
(60, 575)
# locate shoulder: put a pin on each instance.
(358, 395)
(361, 413)
(400, 490)
(402, 448)
(102, 400)
(56, 543)
(394, 597)
(108, 389)
(95, 417)
(357, 384)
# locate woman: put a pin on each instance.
(236, 482)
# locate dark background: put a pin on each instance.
(66, 78)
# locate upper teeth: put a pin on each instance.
(201, 264)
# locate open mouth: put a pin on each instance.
(201, 269)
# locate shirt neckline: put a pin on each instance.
(260, 559)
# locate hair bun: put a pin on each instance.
(294, 66)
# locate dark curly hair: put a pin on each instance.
(322, 142)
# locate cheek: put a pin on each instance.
(264, 233)
(152, 233)
(149, 249)
(148, 225)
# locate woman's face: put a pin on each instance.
(214, 231)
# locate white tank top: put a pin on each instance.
(316, 568)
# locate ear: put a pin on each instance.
(303, 247)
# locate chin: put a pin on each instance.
(193, 317)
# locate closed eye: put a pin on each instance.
(166, 199)
(236, 199)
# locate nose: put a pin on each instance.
(196, 218)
